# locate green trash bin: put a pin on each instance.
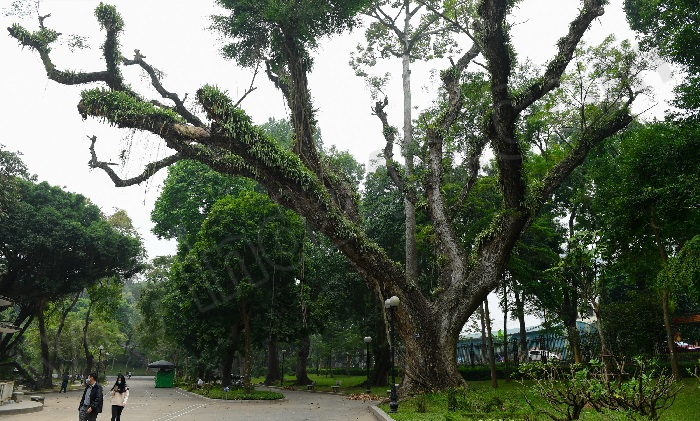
(165, 377)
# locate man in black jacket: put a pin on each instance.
(91, 402)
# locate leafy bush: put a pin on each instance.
(648, 393)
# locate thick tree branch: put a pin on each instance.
(472, 170)
(500, 127)
(389, 132)
(551, 79)
(41, 41)
(614, 121)
(388, 22)
(37, 41)
(147, 173)
(435, 137)
(277, 81)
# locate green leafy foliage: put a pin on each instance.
(58, 243)
(671, 26)
(122, 109)
(648, 393)
(263, 30)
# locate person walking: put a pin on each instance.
(91, 402)
(120, 394)
(64, 383)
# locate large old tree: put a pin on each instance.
(282, 35)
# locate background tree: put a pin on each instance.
(671, 26)
(55, 244)
(407, 31)
(646, 195)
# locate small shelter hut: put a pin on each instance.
(165, 376)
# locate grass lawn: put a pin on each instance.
(481, 402)
(348, 384)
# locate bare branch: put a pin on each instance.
(155, 81)
(551, 79)
(435, 137)
(251, 88)
(453, 22)
(147, 173)
(65, 77)
(615, 121)
(388, 22)
(42, 39)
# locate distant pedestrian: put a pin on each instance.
(91, 402)
(119, 396)
(64, 382)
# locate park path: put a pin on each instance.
(146, 403)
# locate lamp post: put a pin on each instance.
(390, 304)
(516, 357)
(368, 339)
(471, 353)
(99, 359)
(282, 380)
(104, 367)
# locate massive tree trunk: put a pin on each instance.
(302, 378)
(381, 356)
(273, 364)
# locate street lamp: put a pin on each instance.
(99, 360)
(390, 304)
(104, 369)
(282, 381)
(368, 339)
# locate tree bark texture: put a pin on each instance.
(302, 377)
(273, 364)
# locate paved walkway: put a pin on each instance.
(146, 403)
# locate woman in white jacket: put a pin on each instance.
(119, 396)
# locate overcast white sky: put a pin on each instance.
(39, 117)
